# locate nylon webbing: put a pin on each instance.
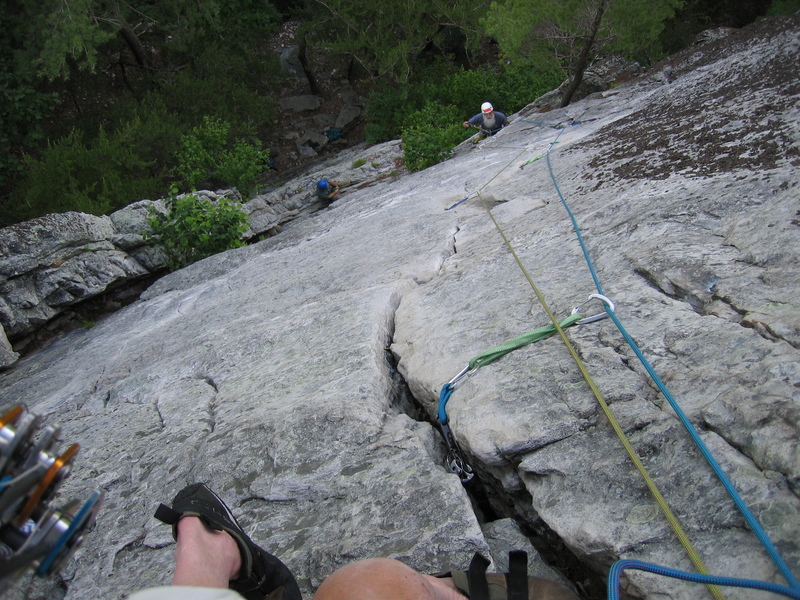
(517, 576)
(476, 575)
(491, 355)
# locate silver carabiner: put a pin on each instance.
(465, 372)
(609, 307)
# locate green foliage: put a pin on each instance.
(388, 37)
(634, 27)
(242, 165)
(112, 61)
(783, 7)
(206, 153)
(551, 33)
(451, 95)
(518, 25)
(65, 178)
(194, 228)
(80, 34)
(73, 32)
(387, 108)
(358, 163)
(107, 174)
(431, 135)
(101, 175)
(225, 85)
(393, 108)
(22, 107)
(200, 150)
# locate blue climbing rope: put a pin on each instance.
(618, 567)
(740, 504)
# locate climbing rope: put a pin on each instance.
(703, 577)
(740, 504)
(560, 125)
(618, 567)
(651, 486)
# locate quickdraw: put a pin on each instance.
(456, 462)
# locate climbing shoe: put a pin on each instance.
(262, 576)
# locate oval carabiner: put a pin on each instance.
(458, 379)
(609, 307)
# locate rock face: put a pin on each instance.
(56, 261)
(297, 375)
(52, 263)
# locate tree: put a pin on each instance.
(568, 34)
(63, 37)
(97, 92)
(387, 37)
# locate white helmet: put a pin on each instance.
(487, 107)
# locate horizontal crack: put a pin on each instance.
(710, 307)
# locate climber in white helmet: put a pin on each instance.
(489, 120)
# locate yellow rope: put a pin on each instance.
(662, 503)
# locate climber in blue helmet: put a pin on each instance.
(327, 190)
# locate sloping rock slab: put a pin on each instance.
(268, 371)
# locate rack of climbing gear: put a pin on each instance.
(34, 534)
(713, 582)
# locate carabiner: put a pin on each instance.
(455, 459)
(609, 308)
(464, 373)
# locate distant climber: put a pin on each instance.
(327, 190)
(489, 120)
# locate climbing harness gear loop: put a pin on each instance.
(610, 307)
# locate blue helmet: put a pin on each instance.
(322, 184)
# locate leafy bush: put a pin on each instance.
(194, 228)
(242, 165)
(394, 108)
(783, 7)
(386, 110)
(22, 107)
(104, 175)
(205, 156)
(436, 129)
(200, 150)
(218, 90)
(454, 95)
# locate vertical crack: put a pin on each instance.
(211, 407)
(490, 500)
(161, 422)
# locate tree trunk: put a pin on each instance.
(134, 44)
(583, 58)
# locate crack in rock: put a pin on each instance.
(211, 406)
